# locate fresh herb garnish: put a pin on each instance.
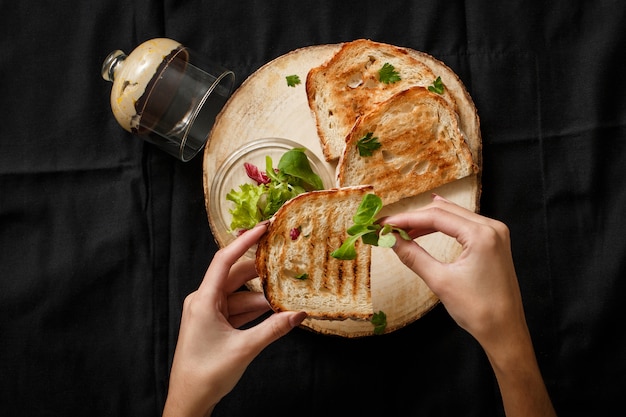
(302, 276)
(379, 320)
(293, 80)
(367, 144)
(366, 228)
(388, 74)
(437, 86)
(257, 202)
(386, 239)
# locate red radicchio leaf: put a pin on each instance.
(256, 174)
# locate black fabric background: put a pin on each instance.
(102, 235)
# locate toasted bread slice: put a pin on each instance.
(294, 263)
(421, 147)
(349, 85)
(469, 122)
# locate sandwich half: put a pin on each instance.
(418, 147)
(294, 262)
(353, 82)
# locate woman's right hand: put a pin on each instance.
(480, 291)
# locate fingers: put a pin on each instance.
(418, 260)
(225, 258)
(438, 202)
(460, 211)
(430, 219)
(439, 216)
(241, 272)
(500, 228)
(245, 306)
(245, 301)
(273, 328)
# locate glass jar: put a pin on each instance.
(167, 94)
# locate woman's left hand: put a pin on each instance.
(212, 353)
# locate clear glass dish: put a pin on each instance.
(231, 174)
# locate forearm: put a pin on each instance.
(523, 390)
(189, 397)
(181, 408)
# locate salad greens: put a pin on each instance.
(258, 202)
(366, 228)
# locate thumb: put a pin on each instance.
(416, 258)
(274, 327)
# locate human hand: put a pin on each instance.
(481, 293)
(211, 353)
(479, 289)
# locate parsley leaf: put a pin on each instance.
(367, 144)
(379, 320)
(388, 74)
(437, 86)
(292, 80)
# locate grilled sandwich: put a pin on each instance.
(294, 262)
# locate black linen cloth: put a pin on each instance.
(102, 236)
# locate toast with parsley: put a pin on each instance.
(362, 74)
(294, 262)
(469, 122)
(407, 145)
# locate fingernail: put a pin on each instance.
(263, 223)
(438, 197)
(296, 319)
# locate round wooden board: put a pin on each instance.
(265, 106)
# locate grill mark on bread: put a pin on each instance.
(326, 271)
(356, 269)
(332, 277)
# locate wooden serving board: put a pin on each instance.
(265, 106)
